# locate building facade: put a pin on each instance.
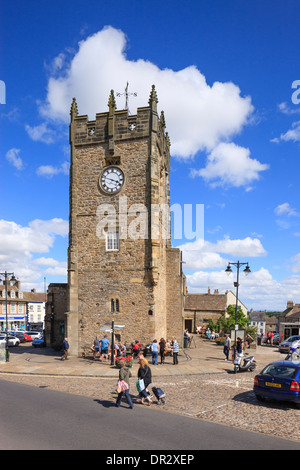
(259, 320)
(199, 309)
(121, 265)
(25, 310)
(289, 321)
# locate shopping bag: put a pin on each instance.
(140, 385)
(122, 386)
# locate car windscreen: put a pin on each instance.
(280, 371)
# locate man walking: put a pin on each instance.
(227, 346)
(65, 347)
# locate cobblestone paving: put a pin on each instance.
(221, 398)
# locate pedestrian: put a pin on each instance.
(104, 344)
(154, 348)
(175, 348)
(227, 346)
(65, 348)
(239, 345)
(187, 337)
(96, 347)
(141, 356)
(162, 350)
(124, 375)
(144, 373)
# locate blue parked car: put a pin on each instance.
(38, 342)
(279, 381)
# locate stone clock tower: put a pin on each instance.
(121, 264)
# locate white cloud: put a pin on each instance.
(258, 290)
(285, 109)
(201, 254)
(55, 268)
(295, 268)
(285, 209)
(292, 134)
(199, 116)
(12, 156)
(49, 171)
(230, 165)
(19, 244)
(41, 133)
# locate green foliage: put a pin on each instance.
(252, 331)
(227, 324)
(213, 326)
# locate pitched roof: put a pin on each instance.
(292, 312)
(206, 302)
(34, 296)
(258, 316)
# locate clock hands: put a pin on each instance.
(113, 180)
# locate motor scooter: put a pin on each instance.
(293, 355)
(249, 363)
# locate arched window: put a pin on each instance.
(115, 305)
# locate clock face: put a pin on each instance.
(112, 180)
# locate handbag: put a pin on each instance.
(122, 386)
(140, 385)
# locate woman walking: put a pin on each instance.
(124, 375)
(144, 373)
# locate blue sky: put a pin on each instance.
(223, 71)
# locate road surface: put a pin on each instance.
(40, 419)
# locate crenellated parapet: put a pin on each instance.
(117, 126)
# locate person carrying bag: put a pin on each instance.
(123, 385)
(144, 374)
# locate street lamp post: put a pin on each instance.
(6, 274)
(228, 271)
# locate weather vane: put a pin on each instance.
(126, 94)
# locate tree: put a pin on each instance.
(228, 323)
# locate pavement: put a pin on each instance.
(203, 357)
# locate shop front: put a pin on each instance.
(290, 329)
(15, 322)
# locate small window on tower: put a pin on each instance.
(112, 241)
